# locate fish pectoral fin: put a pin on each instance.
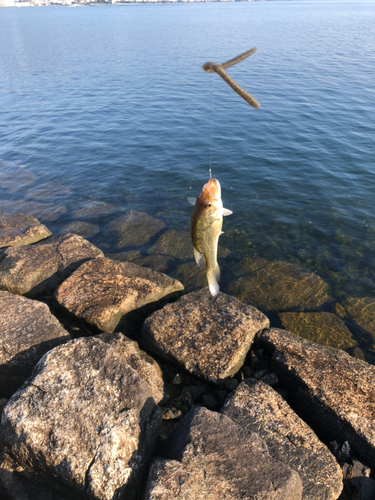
(227, 212)
(213, 276)
(191, 200)
(221, 232)
(199, 258)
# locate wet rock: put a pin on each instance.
(135, 228)
(14, 179)
(129, 256)
(159, 263)
(335, 393)
(258, 408)
(19, 229)
(130, 354)
(46, 212)
(84, 421)
(278, 286)
(190, 276)
(208, 336)
(209, 456)
(38, 269)
(94, 210)
(82, 228)
(27, 331)
(320, 327)
(362, 311)
(48, 191)
(178, 244)
(102, 291)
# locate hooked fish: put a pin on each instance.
(205, 226)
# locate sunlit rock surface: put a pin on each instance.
(102, 291)
(27, 331)
(38, 269)
(211, 457)
(320, 327)
(82, 228)
(85, 421)
(362, 311)
(258, 408)
(14, 179)
(130, 354)
(19, 229)
(278, 286)
(335, 393)
(208, 336)
(46, 212)
(135, 228)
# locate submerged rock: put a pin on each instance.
(82, 228)
(209, 456)
(129, 256)
(27, 331)
(258, 408)
(362, 311)
(102, 291)
(278, 286)
(48, 191)
(19, 229)
(15, 179)
(38, 269)
(46, 212)
(208, 336)
(130, 354)
(135, 228)
(191, 276)
(320, 327)
(159, 263)
(335, 393)
(85, 421)
(94, 209)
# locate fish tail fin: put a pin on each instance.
(213, 276)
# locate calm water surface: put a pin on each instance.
(111, 104)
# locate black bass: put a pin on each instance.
(205, 226)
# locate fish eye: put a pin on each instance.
(208, 204)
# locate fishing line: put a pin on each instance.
(212, 122)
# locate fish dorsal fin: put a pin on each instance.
(191, 200)
(227, 212)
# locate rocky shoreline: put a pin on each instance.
(115, 384)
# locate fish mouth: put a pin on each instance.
(213, 189)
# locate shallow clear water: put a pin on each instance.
(111, 102)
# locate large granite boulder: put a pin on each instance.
(335, 393)
(84, 421)
(102, 291)
(38, 269)
(27, 331)
(135, 228)
(19, 229)
(208, 336)
(362, 311)
(278, 286)
(211, 457)
(320, 327)
(130, 354)
(258, 408)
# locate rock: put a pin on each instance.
(27, 331)
(362, 311)
(46, 212)
(130, 354)
(208, 336)
(210, 457)
(178, 244)
(190, 276)
(94, 210)
(84, 421)
(82, 228)
(320, 327)
(258, 408)
(3, 403)
(270, 379)
(278, 286)
(129, 256)
(39, 268)
(135, 228)
(102, 291)
(48, 191)
(15, 179)
(210, 401)
(159, 263)
(171, 413)
(335, 393)
(20, 229)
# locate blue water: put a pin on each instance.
(111, 102)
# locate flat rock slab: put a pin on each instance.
(39, 268)
(210, 457)
(208, 336)
(85, 421)
(27, 331)
(335, 392)
(278, 286)
(19, 229)
(130, 354)
(362, 311)
(135, 228)
(258, 408)
(321, 327)
(102, 291)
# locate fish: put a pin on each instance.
(206, 227)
